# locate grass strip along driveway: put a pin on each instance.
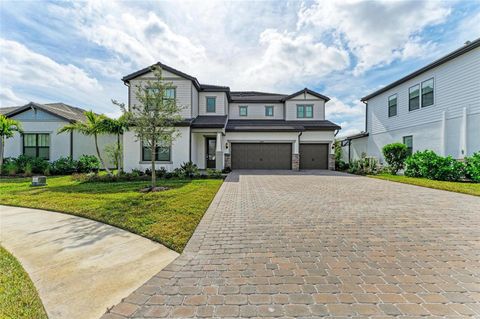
(18, 296)
(168, 217)
(458, 187)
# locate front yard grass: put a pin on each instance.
(168, 217)
(458, 187)
(18, 296)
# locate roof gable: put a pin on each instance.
(165, 67)
(60, 110)
(306, 91)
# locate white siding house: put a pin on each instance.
(446, 120)
(238, 129)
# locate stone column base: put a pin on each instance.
(331, 162)
(295, 162)
(228, 160)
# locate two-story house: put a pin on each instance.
(239, 130)
(434, 108)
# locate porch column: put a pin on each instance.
(219, 152)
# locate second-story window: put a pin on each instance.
(392, 105)
(269, 110)
(414, 98)
(211, 104)
(169, 94)
(304, 111)
(243, 110)
(427, 92)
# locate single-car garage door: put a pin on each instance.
(313, 156)
(261, 155)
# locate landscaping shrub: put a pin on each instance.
(395, 155)
(63, 166)
(10, 167)
(189, 169)
(364, 166)
(472, 167)
(341, 165)
(213, 173)
(429, 165)
(87, 164)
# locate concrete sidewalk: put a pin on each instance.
(79, 266)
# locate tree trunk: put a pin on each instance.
(154, 153)
(2, 149)
(119, 159)
(99, 156)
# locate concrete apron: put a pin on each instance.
(79, 266)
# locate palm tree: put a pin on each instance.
(93, 126)
(116, 127)
(7, 129)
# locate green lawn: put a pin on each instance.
(169, 217)
(458, 187)
(18, 296)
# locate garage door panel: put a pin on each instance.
(313, 156)
(261, 155)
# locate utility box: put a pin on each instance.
(39, 180)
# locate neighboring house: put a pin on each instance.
(434, 108)
(40, 123)
(240, 130)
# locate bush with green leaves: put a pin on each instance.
(63, 166)
(472, 167)
(87, 164)
(213, 173)
(429, 165)
(189, 169)
(9, 167)
(395, 155)
(364, 166)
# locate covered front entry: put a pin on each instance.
(314, 156)
(261, 155)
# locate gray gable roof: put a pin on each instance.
(233, 96)
(61, 110)
(466, 48)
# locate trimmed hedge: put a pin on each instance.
(63, 166)
(395, 155)
(429, 165)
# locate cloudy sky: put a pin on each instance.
(77, 52)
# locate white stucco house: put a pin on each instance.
(40, 124)
(434, 108)
(237, 129)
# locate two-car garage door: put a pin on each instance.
(261, 155)
(277, 156)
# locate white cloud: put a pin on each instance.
(8, 98)
(22, 66)
(336, 108)
(376, 32)
(296, 57)
(138, 36)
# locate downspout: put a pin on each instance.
(366, 115)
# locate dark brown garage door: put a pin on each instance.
(313, 156)
(261, 155)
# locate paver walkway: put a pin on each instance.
(79, 266)
(282, 244)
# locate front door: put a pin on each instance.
(210, 152)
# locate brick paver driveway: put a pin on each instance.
(283, 244)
